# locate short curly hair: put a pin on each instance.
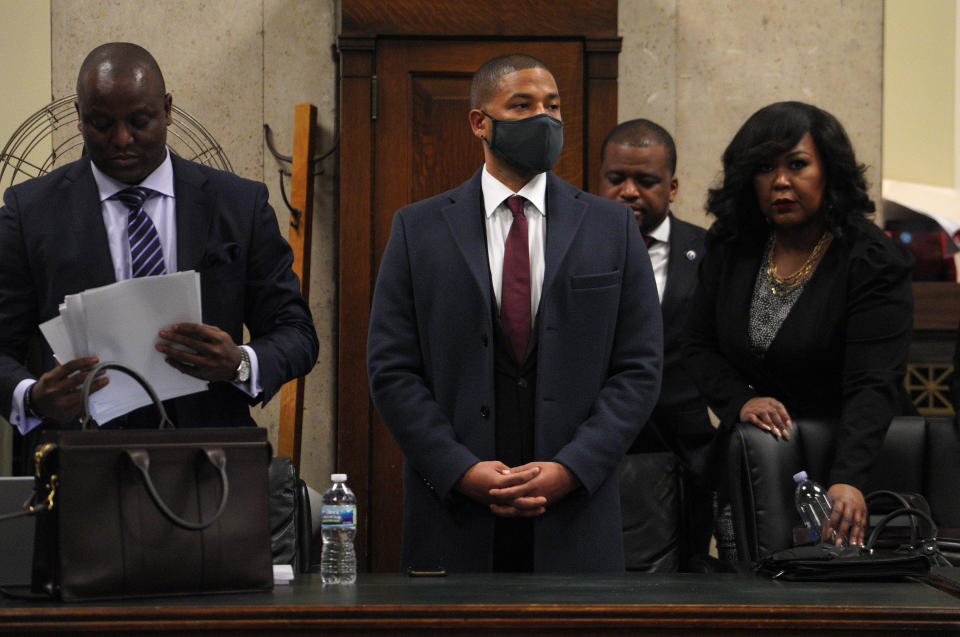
(641, 133)
(768, 133)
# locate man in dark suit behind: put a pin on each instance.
(514, 349)
(638, 168)
(67, 231)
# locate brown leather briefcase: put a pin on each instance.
(135, 513)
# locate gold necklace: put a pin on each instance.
(782, 286)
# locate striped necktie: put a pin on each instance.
(146, 253)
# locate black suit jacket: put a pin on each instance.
(841, 352)
(53, 242)
(681, 412)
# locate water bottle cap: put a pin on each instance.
(338, 477)
(800, 477)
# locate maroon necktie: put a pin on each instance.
(515, 293)
(648, 239)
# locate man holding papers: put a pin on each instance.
(131, 209)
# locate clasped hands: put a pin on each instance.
(523, 491)
(210, 354)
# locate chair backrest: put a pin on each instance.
(942, 477)
(760, 474)
(918, 456)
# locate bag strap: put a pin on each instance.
(86, 421)
(908, 510)
(141, 460)
(914, 525)
(22, 513)
(38, 502)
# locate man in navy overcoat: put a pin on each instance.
(511, 460)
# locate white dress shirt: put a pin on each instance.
(498, 219)
(659, 251)
(161, 208)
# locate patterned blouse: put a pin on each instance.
(768, 311)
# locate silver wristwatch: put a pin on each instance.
(242, 374)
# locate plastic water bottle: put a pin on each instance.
(813, 505)
(338, 526)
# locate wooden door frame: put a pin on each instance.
(362, 22)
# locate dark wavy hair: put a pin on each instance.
(770, 132)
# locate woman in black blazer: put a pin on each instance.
(804, 307)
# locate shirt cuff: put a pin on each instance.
(18, 412)
(252, 387)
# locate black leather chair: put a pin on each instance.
(919, 455)
(291, 519)
(650, 501)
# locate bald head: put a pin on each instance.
(123, 111)
(116, 59)
(487, 78)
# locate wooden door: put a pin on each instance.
(422, 135)
(405, 71)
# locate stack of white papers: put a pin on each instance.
(120, 323)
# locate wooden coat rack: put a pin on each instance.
(301, 224)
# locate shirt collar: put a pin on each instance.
(160, 180)
(662, 232)
(494, 192)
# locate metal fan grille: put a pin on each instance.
(24, 156)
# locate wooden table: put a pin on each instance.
(630, 604)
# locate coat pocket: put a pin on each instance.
(594, 281)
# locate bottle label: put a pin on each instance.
(339, 515)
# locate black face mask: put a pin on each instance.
(532, 144)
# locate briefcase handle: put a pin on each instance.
(896, 513)
(86, 421)
(141, 460)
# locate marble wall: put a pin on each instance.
(703, 66)
(699, 67)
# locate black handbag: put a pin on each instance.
(827, 562)
(134, 513)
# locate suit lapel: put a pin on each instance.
(743, 278)
(680, 269)
(811, 297)
(86, 217)
(194, 213)
(464, 216)
(564, 215)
